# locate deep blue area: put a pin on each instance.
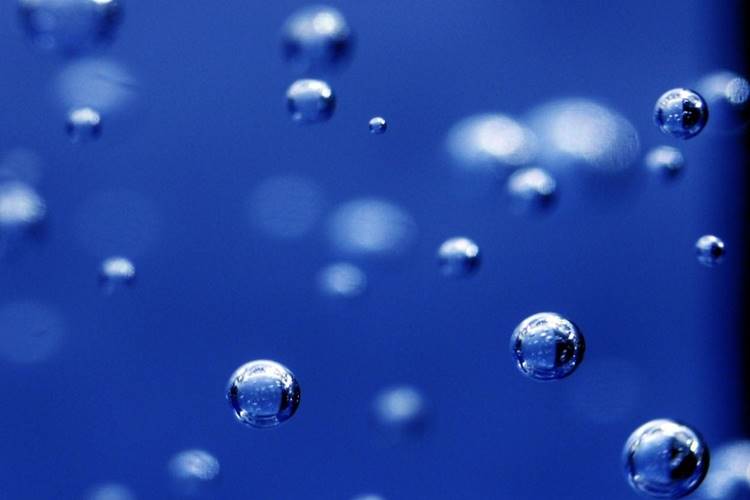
(140, 375)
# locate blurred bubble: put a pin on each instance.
(709, 250)
(368, 496)
(728, 98)
(458, 257)
(606, 392)
(99, 83)
(531, 189)
(371, 226)
(665, 459)
(400, 412)
(21, 208)
(116, 272)
(666, 161)
(317, 38)
(583, 132)
(110, 491)
(681, 113)
(310, 101)
(83, 125)
(117, 222)
(70, 26)
(342, 280)
(729, 475)
(194, 473)
(547, 346)
(20, 164)
(377, 125)
(30, 332)
(263, 394)
(286, 206)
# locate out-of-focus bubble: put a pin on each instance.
(531, 189)
(310, 101)
(83, 125)
(117, 222)
(194, 473)
(285, 207)
(378, 125)
(99, 83)
(490, 143)
(400, 413)
(371, 226)
(22, 165)
(21, 208)
(368, 496)
(317, 38)
(665, 459)
(681, 113)
(110, 491)
(606, 392)
(70, 26)
(547, 346)
(728, 98)
(342, 280)
(263, 394)
(710, 250)
(30, 332)
(458, 257)
(729, 475)
(584, 132)
(116, 272)
(666, 161)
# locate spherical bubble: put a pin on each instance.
(371, 226)
(490, 143)
(263, 394)
(317, 38)
(729, 477)
(285, 207)
(116, 272)
(400, 412)
(728, 97)
(193, 472)
(709, 250)
(378, 125)
(681, 113)
(110, 491)
(584, 132)
(547, 346)
(531, 188)
(99, 83)
(21, 208)
(458, 257)
(665, 160)
(342, 280)
(83, 125)
(665, 459)
(30, 332)
(70, 26)
(310, 101)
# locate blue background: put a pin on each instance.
(140, 375)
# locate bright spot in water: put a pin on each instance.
(83, 125)
(710, 250)
(665, 459)
(547, 346)
(110, 491)
(69, 26)
(729, 475)
(99, 83)
(286, 206)
(342, 280)
(263, 394)
(400, 412)
(728, 98)
(116, 272)
(377, 125)
(531, 188)
(21, 208)
(371, 226)
(316, 38)
(310, 101)
(458, 257)
(30, 332)
(681, 113)
(581, 131)
(665, 160)
(368, 496)
(193, 472)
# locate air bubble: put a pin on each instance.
(458, 257)
(400, 412)
(531, 189)
(342, 280)
(709, 250)
(193, 472)
(681, 113)
(378, 125)
(728, 96)
(263, 394)
(310, 101)
(666, 161)
(83, 125)
(116, 272)
(547, 346)
(317, 38)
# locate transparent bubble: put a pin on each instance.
(371, 226)
(317, 38)
(70, 26)
(547, 346)
(30, 332)
(710, 250)
(728, 97)
(729, 476)
(458, 257)
(99, 83)
(310, 101)
(378, 125)
(665, 459)
(116, 272)
(263, 394)
(83, 125)
(21, 208)
(665, 160)
(584, 132)
(400, 412)
(342, 280)
(681, 113)
(286, 206)
(193, 472)
(110, 491)
(531, 189)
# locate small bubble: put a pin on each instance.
(342, 280)
(400, 412)
(710, 250)
(310, 101)
(728, 97)
(666, 161)
(83, 125)
(681, 113)
(21, 208)
(263, 394)
(378, 125)
(193, 472)
(368, 496)
(317, 38)
(110, 491)
(531, 188)
(665, 459)
(458, 257)
(116, 272)
(547, 346)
